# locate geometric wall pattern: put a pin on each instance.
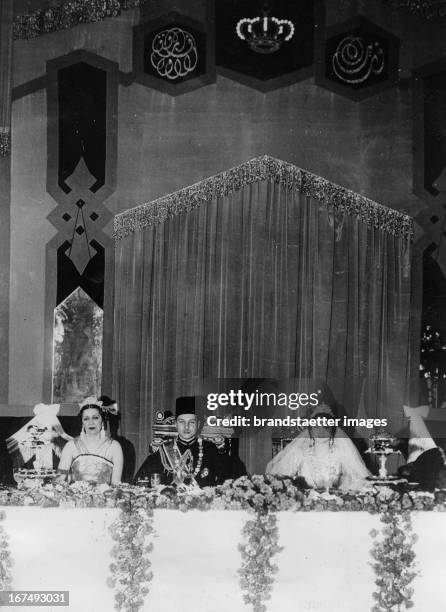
(429, 86)
(80, 217)
(82, 101)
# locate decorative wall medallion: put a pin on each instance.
(269, 51)
(173, 54)
(265, 34)
(357, 59)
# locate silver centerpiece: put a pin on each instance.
(382, 445)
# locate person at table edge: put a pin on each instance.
(205, 465)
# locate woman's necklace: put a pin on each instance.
(92, 448)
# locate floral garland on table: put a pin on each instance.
(64, 495)
(5, 558)
(394, 563)
(266, 493)
(131, 569)
(257, 572)
(67, 15)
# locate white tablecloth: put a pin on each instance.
(325, 565)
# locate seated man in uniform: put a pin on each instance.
(188, 459)
(223, 439)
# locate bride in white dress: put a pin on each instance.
(325, 458)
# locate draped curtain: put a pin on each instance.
(264, 281)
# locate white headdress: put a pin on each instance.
(111, 408)
(420, 438)
(108, 409)
(90, 401)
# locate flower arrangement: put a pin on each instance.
(394, 563)
(257, 572)
(5, 559)
(382, 442)
(131, 568)
(260, 493)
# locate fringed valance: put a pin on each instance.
(264, 169)
(67, 15)
(428, 9)
(71, 13)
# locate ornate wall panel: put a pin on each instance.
(81, 174)
(429, 85)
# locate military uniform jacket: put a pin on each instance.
(213, 469)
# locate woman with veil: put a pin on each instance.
(324, 456)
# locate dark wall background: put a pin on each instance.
(167, 142)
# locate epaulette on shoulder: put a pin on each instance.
(158, 443)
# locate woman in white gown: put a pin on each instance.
(325, 458)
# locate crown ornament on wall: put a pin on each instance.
(265, 34)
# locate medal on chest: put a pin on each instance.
(181, 465)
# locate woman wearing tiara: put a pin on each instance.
(325, 457)
(93, 456)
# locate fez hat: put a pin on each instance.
(185, 405)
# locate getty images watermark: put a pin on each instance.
(249, 401)
(34, 598)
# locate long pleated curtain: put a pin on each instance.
(264, 282)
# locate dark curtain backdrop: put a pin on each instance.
(266, 282)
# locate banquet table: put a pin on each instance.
(324, 565)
